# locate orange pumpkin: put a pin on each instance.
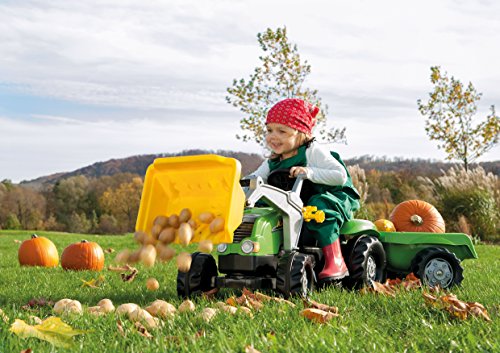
(417, 216)
(84, 255)
(384, 225)
(38, 251)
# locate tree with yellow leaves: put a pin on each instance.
(450, 112)
(123, 202)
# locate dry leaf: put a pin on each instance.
(142, 330)
(200, 333)
(52, 330)
(210, 295)
(254, 304)
(119, 268)
(119, 325)
(109, 250)
(129, 277)
(308, 303)
(457, 308)
(477, 311)
(317, 315)
(37, 303)
(379, 288)
(231, 301)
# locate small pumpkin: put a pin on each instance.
(38, 251)
(384, 225)
(417, 216)
(83, 255)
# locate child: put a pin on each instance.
(289, 136)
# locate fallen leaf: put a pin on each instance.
(52, 330)
(457, 308)
(109, 250)
(379, 288)
(17, 241)
(231, 301)
(129, 277)
(308, 303)
(142, 330)
(210, 295)
(36, 303)
(119, 268)
(119, 326)
(254, 304)
(317, 315)
(477, 311)
(94, 282)
(200, 333)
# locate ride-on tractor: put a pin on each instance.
(263, 245)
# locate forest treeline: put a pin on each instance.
(104, 198)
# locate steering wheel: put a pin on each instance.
(281, 179)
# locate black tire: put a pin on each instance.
(199, 277)
(295, 274)
(366, 262)
(437, 266)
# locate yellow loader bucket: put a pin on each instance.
(204, 183)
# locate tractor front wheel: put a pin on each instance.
(199, 277)
(366, 262)
(295, 274)
(437, 267)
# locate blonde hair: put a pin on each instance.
(302, 138)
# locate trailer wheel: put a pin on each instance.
(437, 267)
(199, 277)
(366, 263)
(295, 274)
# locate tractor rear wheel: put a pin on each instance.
(366, 262)
(295, 274)
(199, 277)
(437, 267)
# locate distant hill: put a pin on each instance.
(139, 164)
(249, 162)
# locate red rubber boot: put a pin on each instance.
(335, 267)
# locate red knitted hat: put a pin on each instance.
(295, 113)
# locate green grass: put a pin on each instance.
(368, 323)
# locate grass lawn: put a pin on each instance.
(367, 323)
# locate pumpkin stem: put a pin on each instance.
(33, 236)
(416, 220)
(85, 241)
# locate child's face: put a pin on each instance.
(282, 139)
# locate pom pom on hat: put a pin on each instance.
(295, 113)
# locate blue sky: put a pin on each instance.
(87, 81)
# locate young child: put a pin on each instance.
(289, 136)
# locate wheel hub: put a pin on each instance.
(438, 272)
(371, 268)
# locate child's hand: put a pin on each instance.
(295, 171)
